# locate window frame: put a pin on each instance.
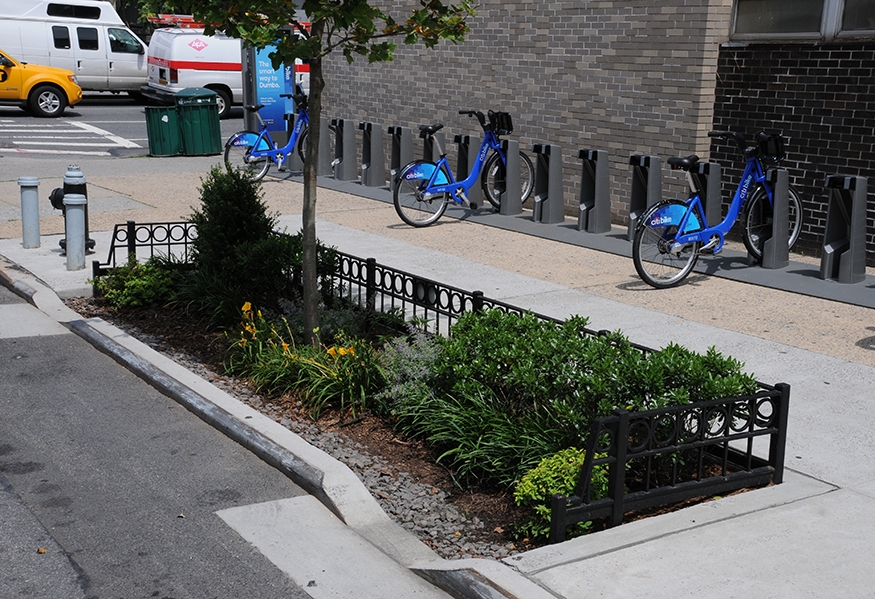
(830, 27)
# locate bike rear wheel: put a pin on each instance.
(238, 155)
(494, 178)
(410, 203)
(758, 217)
(658, 263)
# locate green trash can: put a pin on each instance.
(198, 114)
(162, 129)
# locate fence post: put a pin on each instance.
(373, 156)
(595, 192)
(558, 509)
(844, 239)
(646, 188)
(402, 150)
(371, 283)
(776, 250)
(708, 177)
(778, 441)
(549, 195)
(477, 301)
(511, 195)
(617, 472)
(132, 241)
(465, 161)
(345, 168)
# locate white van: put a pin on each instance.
(182, 56)
(84, 36)
(185, 57)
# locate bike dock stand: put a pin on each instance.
(325, 167)
(549, 205)
(402, 149)
(844, 238)
(776, 250)
(293, 160)
(595, 193)
(646, 188)
(345, 167)
(430, 151)
(708, 177)
(466, 161)
(511, 201)
(373, 156)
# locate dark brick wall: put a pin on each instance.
(822, 98)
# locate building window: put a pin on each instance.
(803, 19)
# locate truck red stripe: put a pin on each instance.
(196, 65)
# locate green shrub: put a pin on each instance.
(555, 475)
(134, 285)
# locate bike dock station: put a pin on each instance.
(844, 241)
(595, 193)
(646, 188)
(776, 252)
(549, 204)
(511, 195)
(708, 177)
(402, 149)
(344, 147)
(373, 156)
(467, 157)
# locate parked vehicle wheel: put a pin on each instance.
(223, 101)
(47, 101)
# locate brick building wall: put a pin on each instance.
(629, 78)
(822, 97)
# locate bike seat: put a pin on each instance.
(255, 108)
(683, 163)
(425, 130)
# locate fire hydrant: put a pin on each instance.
(74, 183)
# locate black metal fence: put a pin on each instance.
(653, 458)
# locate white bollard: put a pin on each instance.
(29, 212)
(75, 227)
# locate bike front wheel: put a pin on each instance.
(238, 154)
(658, 262)
(758, 217)
(494, 178)
(411, 203)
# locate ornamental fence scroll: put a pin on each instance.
(653, 458)
(664, 456)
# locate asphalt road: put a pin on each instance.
(102, 124)
(110, 489)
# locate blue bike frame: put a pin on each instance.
(440, 176)
(263, 145)
(692, 226)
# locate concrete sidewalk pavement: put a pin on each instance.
(809, 537)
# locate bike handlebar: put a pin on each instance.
(480, 116)
(738, 137)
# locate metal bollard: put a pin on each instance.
(29, 212)
(74, 224)
(74, 183)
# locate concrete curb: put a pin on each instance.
(325, 478)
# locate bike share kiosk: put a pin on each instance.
(402, 150)
(844, 239)
(373, 156)
(511, 195)
(776, 249)
(595, 192)
(466, 160)
(549, 205)
(344, 147)
(646, 188)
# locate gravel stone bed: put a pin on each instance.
(421, 509)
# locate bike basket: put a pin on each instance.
(771, 146)
(501, 123)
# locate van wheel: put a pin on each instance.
(223, 100)
(47, 101)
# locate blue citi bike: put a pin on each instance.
(672, 234)
(256, 151)
(423, 189)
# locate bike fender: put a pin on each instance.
(671, 215)
(248, 138)
(424, 170)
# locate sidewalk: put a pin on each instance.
(809, 537)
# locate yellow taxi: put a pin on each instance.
(45, 91)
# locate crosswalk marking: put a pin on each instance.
(70, 137)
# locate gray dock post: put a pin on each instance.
(293, 161)
(844, 239)
(430, 151)
(646, 187)
(776, 249)
(549, 205)
(402, 149)
(325, 167)
(511, 195)
(709, 178)
(595, 192)
(29, 190)
(467, 156)
(345, 167)
(373, 155)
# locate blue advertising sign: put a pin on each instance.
(269, 84)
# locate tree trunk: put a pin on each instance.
(311, 297)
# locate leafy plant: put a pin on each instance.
(555, 475)
(134, 285)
